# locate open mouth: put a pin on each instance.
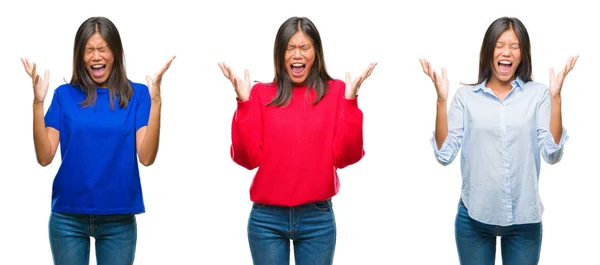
(98, 70)
(297, 68)
(504, 66)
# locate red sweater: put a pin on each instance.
(297, 148)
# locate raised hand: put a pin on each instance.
(556, 81)
(352, 87)
(440, 82)
(40, 86)
(154, 83)
(242, 87)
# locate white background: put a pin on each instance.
(396, 206)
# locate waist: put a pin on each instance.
(309, 204)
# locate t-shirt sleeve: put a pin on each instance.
(143, 106)
(52, 118)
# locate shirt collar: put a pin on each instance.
(518, 82)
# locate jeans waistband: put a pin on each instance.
(301, 205)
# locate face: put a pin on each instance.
(507, 56)
(299, 57)
(98, 59)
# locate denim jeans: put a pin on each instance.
(311, 227)
(115, 237)
(476, 241)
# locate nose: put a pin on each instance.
(297, 53)
(506, 51)
(96, 55)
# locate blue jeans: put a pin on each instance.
(476, 241)
(115, 237)
(310, 226)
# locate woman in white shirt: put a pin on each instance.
(503, 123)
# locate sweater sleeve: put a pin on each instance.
(246, 132)
(348, 139)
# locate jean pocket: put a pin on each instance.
(325, 205)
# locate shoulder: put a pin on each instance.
(139, 89)
(138, 86)
(66, 91)
(466, 88)
(261, 88)
(336, 86)
(463, 95)
(536, 87)
(264, 85)
(537, 91)
(65, 88)
(464, 91)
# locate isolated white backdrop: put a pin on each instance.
(396, 206)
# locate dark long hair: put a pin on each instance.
(318, 76)
(486, 55)
(117, 82)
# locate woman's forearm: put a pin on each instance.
(43, 149)
(149, 147)
(441, 123)
(556, 119)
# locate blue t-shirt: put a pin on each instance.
(99, 171)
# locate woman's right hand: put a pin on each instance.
(242, 87)
(40, 86)
(440, 82)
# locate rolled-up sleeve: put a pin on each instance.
(446, 154)
(551, 152)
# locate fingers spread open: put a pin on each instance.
(370, 69)
(166, 67)
(26, 66)
(432, 73)
(348, 80)
(159, 75)
(574, 61)
(33, 73)
(359, 81)
(444, 74)
(224, 69)
(424, 66)
(149, 81)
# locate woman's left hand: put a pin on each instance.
(154, 83)
(352, 87)
(556, 81)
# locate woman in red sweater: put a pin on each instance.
(297, 129)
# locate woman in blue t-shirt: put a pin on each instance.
(102, 120)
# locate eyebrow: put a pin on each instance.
(299, 45)
(92, 47)
(501, 41)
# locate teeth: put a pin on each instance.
(97, 66)
(298, 64)
(505, 62)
